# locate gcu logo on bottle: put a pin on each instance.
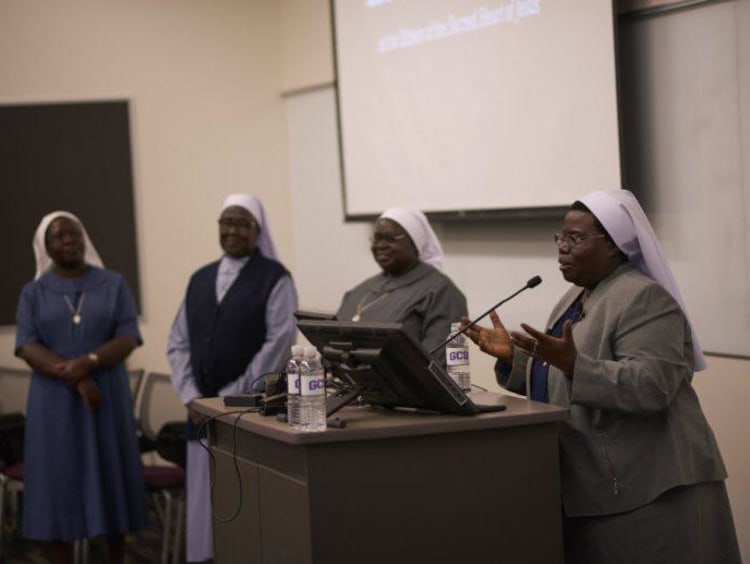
(460, 354)
(316, 384)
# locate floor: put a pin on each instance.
(143, 547)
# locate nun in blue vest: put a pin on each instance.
(235, 324)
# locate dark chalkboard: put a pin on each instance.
(65, 156)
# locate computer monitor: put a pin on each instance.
(386, 366)
(301, 314)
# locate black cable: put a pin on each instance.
(203, 427)
(254, 380)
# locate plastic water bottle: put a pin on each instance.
(312, 392)
(457, 358)
(292, 386)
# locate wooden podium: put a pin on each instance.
(391, 487)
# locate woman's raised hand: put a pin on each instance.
(495, 340)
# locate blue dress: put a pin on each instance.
(82, 469)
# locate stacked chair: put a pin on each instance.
(155, 404)
(159, 406)
(14, 385)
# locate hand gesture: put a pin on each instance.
(89, 391)
(495, 341)
(560, 351)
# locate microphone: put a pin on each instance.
(532, 283)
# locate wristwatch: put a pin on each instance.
(94, 358)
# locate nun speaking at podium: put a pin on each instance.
(642, 478)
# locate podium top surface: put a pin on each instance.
(369, 423)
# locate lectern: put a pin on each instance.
(392, 487)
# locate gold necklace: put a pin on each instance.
(362, 306)
(77, 310)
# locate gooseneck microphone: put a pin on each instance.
(532, 283)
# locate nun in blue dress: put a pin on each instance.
(76, 324)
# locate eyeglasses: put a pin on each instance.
(574, 241)
(239, 224)
(386, 239)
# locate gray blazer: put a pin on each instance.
(636, 428)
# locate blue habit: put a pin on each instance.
(82, 469)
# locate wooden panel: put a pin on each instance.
(466, 495)
(439, 499)
(285, 519)
(235, 497)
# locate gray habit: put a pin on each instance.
(424, 299)
(638, 460)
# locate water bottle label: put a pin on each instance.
(457, 356)
(458, 340)
(292, 384)
(313, 385)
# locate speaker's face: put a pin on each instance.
(585, 254)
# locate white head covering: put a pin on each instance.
(43, 262)
(622, 216)
(253, 205)
(416, 225)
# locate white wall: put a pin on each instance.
(723, 391)
(203, 80)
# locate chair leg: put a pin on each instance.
(13, 505)
(178, 525)
(167, 523)
(157, 504)
(84, 551)
(15, 488)
(81, 551)
(3, 480)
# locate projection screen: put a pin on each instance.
(472, 105)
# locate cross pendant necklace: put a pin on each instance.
(362, 306)
(77, 310)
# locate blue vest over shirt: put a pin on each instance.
(224, 337)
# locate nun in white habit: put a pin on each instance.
(235, 324)
(411, 287)
(642, 479)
